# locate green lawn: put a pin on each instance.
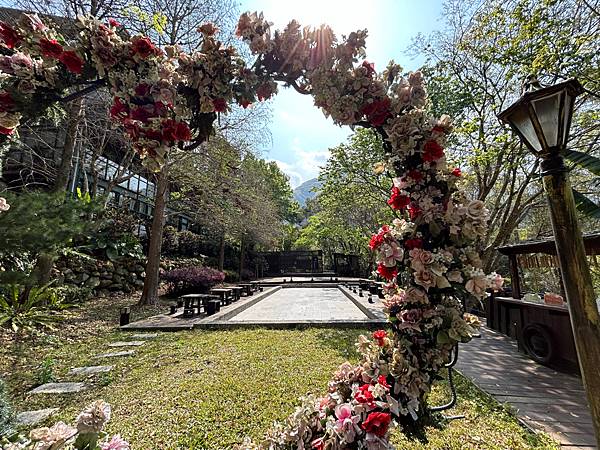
(208, 389)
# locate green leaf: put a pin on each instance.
(159, 22)
(443, 338)
(584, 161)
(586, 206)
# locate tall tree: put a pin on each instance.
(350, 200)
(477, 66)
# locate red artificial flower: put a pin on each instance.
(364, 395)
(8, 35)
(376, 241)
(169, 130)
(432, 151)
(244, 103)
(6, 102)
(456, 172)
(380, 335)
(73, 63)
(382, 380)
(377, 111)
(409, 244)
(398, 200)
(142, 89)
(142, 114)
(438, 129)
(113, 23)
(143, 46)
(160, 109)
(387, 272)
(154, 135)
(414, 211)
(132, 129)
(415, 175)
(370, 68)
(50, 48)
(6, 131)
(183, 132)
(377, 423)
(264, 92)
(119, 109)
(318, 444)
(220, 104)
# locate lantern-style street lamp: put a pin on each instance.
(542, 118)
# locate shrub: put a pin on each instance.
(25, 309)
(69, 294)
(247, 274)
(192, 279)
(231, 275)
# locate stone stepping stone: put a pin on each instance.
(117, 354)
(145, 336)
(91, 370)
(126, 344)
(58, 388)
(30, 418)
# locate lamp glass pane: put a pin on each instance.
(521, 120)
(566, 118)
(547, 110)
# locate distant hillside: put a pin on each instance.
(305, 191)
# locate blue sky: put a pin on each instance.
(301, 136)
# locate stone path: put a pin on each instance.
(310, 304)
(116, 354)
(90, 370)
(544, 399)
(127, 344)
(29, 418)
(32, 418)
(58, 388)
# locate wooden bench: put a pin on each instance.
(255, 286)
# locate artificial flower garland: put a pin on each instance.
(166, 98)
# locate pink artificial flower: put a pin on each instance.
(4, 206)
(346, 423)
(116, 443)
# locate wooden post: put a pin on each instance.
(514, 276)
(577, 280)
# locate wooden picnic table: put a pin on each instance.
(197, 301)
(224, 294)
(247, 287)
(255, 285)
(237, 292)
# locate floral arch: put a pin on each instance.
(165, 98)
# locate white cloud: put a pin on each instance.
(303, 164)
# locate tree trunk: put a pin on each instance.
(222, 252)
(63, 171)
(242, 249)
(577, 281)
(150, 291)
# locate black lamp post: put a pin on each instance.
(542, 118)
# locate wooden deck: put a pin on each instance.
(542, 398)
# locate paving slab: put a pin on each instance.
(543, 398)
(127, 344)
(145, 336)
(117, 354)
(309, 304)
(89, 370)
(30, 418)
(58, 388)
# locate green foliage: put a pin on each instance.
(6, 412)
(71, 295)
(112, 237)
(584, 160)
(586, 206)
(182, 243)
(38, 224)
(45, 372)
(23, 309)
(351, 203)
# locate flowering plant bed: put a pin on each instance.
(166, 99)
